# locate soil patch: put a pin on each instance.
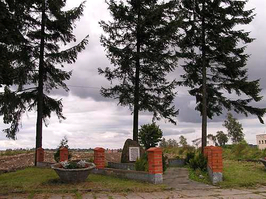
(20, 161)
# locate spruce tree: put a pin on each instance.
(213, 47)
(138, 41)
(46, 26)
(14, 56)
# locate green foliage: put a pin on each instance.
(72, 165)
(182, 141)
(138, 43)
(199, 161)
(221, 138)
(150, 135)
(41, 29)
(189, 156)
(165, 160)
(242, 151)
(213, 48)
(238, 174)
(63, 143)
(141, 163)
(234, 128)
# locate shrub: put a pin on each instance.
(199, 161)
(141, 163)
(63, 143)
(150, 135)
(164, 159)
(190, 155)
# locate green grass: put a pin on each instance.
(38, 180)
(236, 174)
(243, 174)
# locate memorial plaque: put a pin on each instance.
(134, 153)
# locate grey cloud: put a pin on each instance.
(168, 132)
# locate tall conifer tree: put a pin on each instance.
(45, 27)
(215, 61)
(138, 42)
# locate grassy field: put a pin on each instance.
(243, 174)
(236, 174)
(37, 180)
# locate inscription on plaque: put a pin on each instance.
(133, 153)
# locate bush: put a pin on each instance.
(199, 161)
(165, 159)
(190, 155)
(63, 143)
(242, 151)
(141, 164)
(150, 135)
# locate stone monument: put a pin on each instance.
(131, 151)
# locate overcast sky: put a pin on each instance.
(95, 121)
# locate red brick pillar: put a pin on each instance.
(40, 155)
(99, 159)
(216, 159)
(208, 154)
(63, 154)
(155, 160)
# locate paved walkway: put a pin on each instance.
(176, 178)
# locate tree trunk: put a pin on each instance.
(40, 87)
(136, 92)
(204, 83)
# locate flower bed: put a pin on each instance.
(73, 172)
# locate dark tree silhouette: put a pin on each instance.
(138, 42)
(213, 48)
(46, 26)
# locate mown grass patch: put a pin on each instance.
(39, 180)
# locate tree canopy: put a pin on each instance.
(43, 27)
(138, 42)
(213, 48)
(150, 135)
(221, 138)
(234, 128)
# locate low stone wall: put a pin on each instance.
(176, 162)
(124, 166)
(129, 174)
(44, 164)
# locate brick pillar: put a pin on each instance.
(216, 163)
(63, 154)
(155, 160)
(40, 155)
(208, 154)
(99, 159)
